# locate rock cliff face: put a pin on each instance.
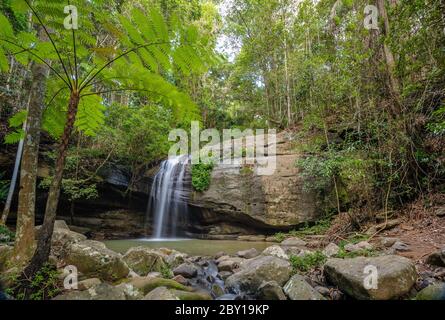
(238, 198)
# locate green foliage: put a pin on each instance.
(343, 254)
(320, 227)
(4, 188)
(166, 272)
(6, 235)
(307, 262)
(201, 176)
(16, 123)
(43, 286)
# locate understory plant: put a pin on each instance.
(201, 176)
(307, 262)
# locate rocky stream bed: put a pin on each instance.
(165, 274)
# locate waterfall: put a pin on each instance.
(166, 201)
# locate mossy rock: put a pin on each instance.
(191, 296)
(148, 284)
(432, 292)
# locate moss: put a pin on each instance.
(191, 296)
(152, 284)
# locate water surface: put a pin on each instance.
(189, 246)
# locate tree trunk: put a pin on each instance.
(24, 243)
(390, 61)
(44, 244)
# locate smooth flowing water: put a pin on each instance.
(166, 201)
(191, 247)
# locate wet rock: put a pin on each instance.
(437, 258)
(297, 288)
(293, 242)
(93, 259)
(217, 291)
(275, 251)
(396, 276)
(432, 292)
(225, 274)
(248, 254)
(143, 260)
(331, 250)
(160, 294)
(187, 270)
(88, 283)
(255, 271)
(270, 290)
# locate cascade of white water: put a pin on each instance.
(166, 199)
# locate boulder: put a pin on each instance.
(433, 292)
(388, 242)
(255, 271)
(172, 257)
(331, 250)
(437, 258)
(88, 283)
(62, 239)
(102, 291)
(293, 242)
(270, 290)
(130, 291)
(180, 279)
(143, 260)
(160, 294)
(248, 254)
(191, 296)
(93, 259)
(145, 285)
(275, 251)
(187, 270)
(395, 276)
(400, 246)
(230, 264)
(297, 288)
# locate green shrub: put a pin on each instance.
(45, 285)
(307, 262)
(166, 272)
(201, 176)
(6, 235)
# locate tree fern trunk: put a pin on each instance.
(44, 244)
